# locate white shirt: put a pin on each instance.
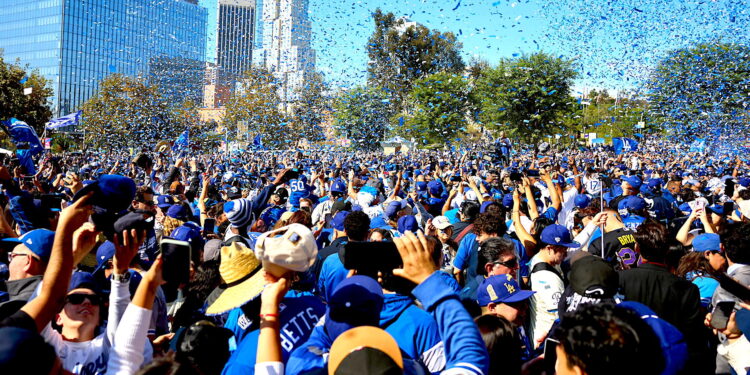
(566, 210)
(549, 288)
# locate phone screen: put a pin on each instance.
(721, 313)
(550, 354)
(176, 257)
(208, 226)
(369, 258)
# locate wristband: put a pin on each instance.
(263, 316)
(121, 277)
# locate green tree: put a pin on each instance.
(128, 112)
(701, 90)
(361, 115)
(527, 96)
(310, 109)
(401, 52)
(34, 108)
(438, 107)
(255, 108)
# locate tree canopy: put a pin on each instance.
(34, 109)
(361, 115)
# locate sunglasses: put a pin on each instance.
(511, 263)
(78, 298)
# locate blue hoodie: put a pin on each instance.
(415, 331)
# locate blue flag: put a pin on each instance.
(71, 119)
(23, 134)
(182, 142)
(258, 140)
(698, 145)
(623, 145)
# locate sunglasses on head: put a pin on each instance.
(511, 263)
(78, 298)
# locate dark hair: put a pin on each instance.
(694, 262)
(539, 224)
(469, 210)
(605, 339)
(387, 235)
(300, 217)
(651, 238)
(168, 365)
(744, 194)
(205, 279)
(491, 250)
(495, 209)
(736, 241)
(502, 342)
(357, 226)
(490, 224)
(141, 192)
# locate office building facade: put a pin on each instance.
(76, 43)
(283, 44)
(234, 39)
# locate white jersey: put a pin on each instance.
(549, 288)
(566, 210)
(592, 186)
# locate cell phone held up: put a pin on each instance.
(176, 256)
(371, 258)
(720, 314)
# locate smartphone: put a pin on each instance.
(455, 178)
(369, 258)
(532, 173)
(176, 256)
(720, 314)
(550, 354)
(208, 226)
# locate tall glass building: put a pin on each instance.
(76, 43)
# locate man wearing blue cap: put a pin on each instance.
(502, 296)
(27, 263)
(547, 279)
(631, 185)
(632, 209)
(323, 209)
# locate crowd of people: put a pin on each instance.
(484, 260)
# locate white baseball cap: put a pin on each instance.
(441, 222)
(292, 247)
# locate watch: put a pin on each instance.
(121, 277)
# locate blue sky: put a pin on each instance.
(614, 43)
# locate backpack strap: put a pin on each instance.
(542, 266)
(464, 233)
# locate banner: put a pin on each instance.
(623, 145)
(69, 120)
(22, 135)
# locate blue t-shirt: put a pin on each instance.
(299, 313)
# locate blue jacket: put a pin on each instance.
(464, 347)
(299, 313)
(415, 331)
(331, 274)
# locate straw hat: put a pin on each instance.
(240, 270)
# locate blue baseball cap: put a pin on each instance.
(434, 187)
(338, 186)
(355, 302)
(632, 203)
(179, 212)
(744, 181)
(394, 207)
(633, 181)
(508, 200)
(105, 252)
(557, 235)
(707, 242)
(111, 192)
(38, 241)
(378, 222)
(85, 280)
(164, 201)
(582, 200)
(717, 209)
(338, 221)
(501, 289)
(421, 186)
(407, 222)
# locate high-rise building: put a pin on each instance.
(284, 44)
(234, 38)
(76, 43)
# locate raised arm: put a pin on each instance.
(60, 265)
(526, 239)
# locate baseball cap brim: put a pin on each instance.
(363, 337)
(519, 296)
